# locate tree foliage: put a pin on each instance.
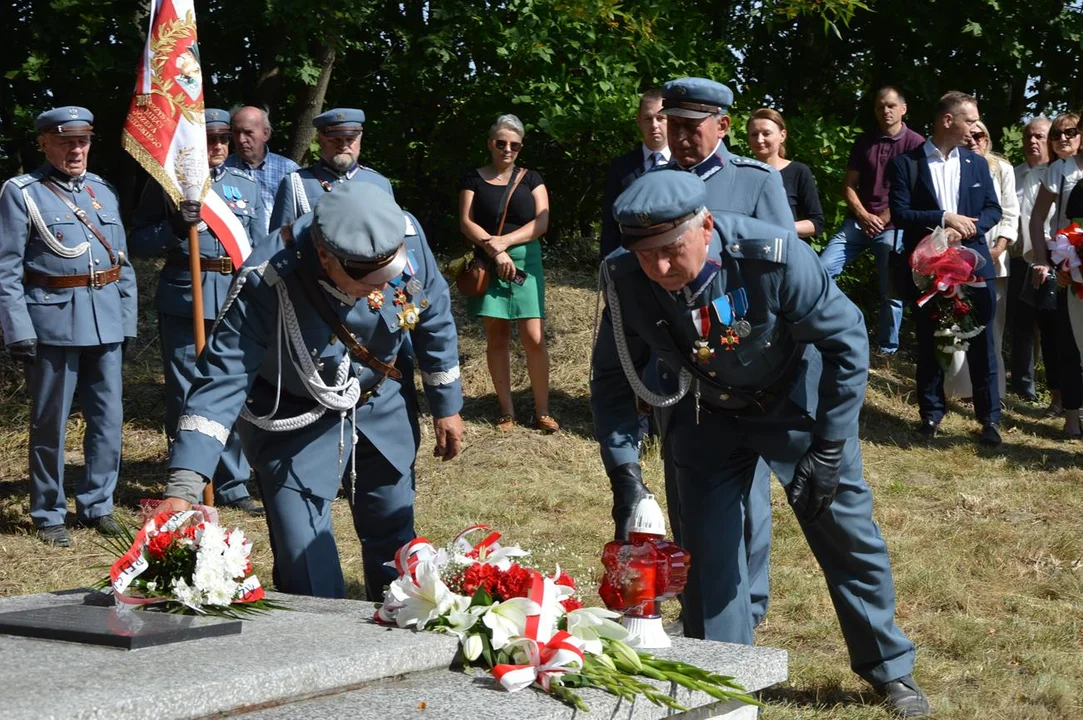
(432, 75)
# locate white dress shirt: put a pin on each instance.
(648, 163)
(945, 172)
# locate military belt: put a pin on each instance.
(178, 261)
(57, 282)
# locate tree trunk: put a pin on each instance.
(311, 102)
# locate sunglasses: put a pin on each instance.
(978, 136)
(1068, 133)
(515, 146)
(218, 139)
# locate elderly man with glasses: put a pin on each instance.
(162, 230)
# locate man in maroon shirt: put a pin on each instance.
(868, 224)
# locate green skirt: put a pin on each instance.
(508, 301)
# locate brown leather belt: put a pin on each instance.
(222, 265)
(56, 282)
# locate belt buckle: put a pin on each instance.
(95, 283)
(225, 265)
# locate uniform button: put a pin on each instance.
(735, 247)
(724, 396)
(767, 345)
(665, 376)
(46, 297)
(97, 261)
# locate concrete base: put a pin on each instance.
(323, 658)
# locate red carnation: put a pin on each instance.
(159, 544)
(566, 580)
(571, 604)
(960, 308)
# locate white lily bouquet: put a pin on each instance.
(527, 628)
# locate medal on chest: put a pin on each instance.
(702, 352)
(409, 316)
(376, 300)
(93, 198)
(730, 309)
(401, 298)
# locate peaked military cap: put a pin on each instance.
(658, 207)
(696, 98)
(361, 225)
(216, 117)
(340, 122)
(68, 120)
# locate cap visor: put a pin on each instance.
(685, 112)
(386, 273)
(342, 131)
(638, 242)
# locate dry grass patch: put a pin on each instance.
(986, 545)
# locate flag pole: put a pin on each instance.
(198, 331)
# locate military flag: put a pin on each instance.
(165, 131)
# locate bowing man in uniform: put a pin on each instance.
(339, 133)
(760, 356)
(311, 337)
(161, 229)
(697, 122)
(67, 304)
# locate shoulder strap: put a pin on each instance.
(319, 302)
(517, 175)
(81, 214)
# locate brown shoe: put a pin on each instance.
(505, 422)
(547, 424)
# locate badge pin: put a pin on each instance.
(702, 352)
(409, 316)
(376, 300)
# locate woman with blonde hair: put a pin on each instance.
(503, 210)
(1061, 177)
(999, 237)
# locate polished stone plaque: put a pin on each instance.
(112, 626)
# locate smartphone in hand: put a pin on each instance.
(520, 277)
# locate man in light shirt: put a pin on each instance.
(251, 131)
(1022, 318)
(940, 184)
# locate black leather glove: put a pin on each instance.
(24, 351)
(186, 215)
(628, 489)
(815, 479)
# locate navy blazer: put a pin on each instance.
(622, 171)
(916, 211)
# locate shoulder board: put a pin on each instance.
(619, 263)
(749, 162)
(23, 180)
(752, 248)
(411, 229)
(102, 181)
(239, 173)
(278, 267)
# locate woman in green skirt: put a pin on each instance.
(517, 284)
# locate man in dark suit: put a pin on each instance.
(941, 184)
(652, 152)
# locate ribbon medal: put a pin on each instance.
(376, 300)
(409, 316)
(401, 298)
(702, 352)
(93, 198)
(413, 286)
(730, 309)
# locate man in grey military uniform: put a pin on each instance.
(760, 356)
(67, 305)
(339, 134)
(162, 230)
(697, 121)
(311, 337)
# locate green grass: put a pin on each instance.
(986, 545)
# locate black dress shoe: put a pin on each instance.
(106, 525)
(928, 428)
(55, 535)
(905, 699)
(990, 435)
(248, 505)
